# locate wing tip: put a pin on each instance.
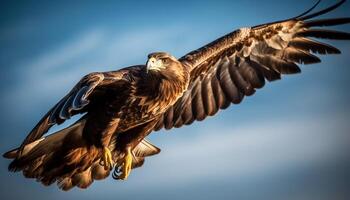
(10, 154)
(321, 12)
(309, 10)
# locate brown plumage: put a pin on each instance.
(122, 107)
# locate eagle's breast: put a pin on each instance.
(151, 95)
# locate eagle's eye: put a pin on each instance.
(165, 60)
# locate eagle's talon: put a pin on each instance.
(107, 159)
(125, 169)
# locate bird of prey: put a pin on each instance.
(120, 108)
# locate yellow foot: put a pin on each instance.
(107, 160)
(126, 165)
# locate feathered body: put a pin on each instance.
(122, 107)
(142, 98)
(136, 101)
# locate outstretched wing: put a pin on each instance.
(89, 88)
(237, 64)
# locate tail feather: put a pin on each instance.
(96, 171)
(65, 158)
(58, 157)
(145, 148)
(46, 147)
(14, 152)
(82, 179)
(85, 178)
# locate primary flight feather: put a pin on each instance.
(120, 108)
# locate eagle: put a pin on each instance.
(120, 108)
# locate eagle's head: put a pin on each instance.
(163, 63)
(159, 61)
(168, 76)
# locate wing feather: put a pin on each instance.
(168, 119)
(187, 115)
(66, 108)
(327, 22)
(313, 46)
(235, 65)
(254, 77)
(220, 98)
(76, 101)
(324, 34)
(209, 103)
(229, 88)
(239, 81)
(197, 106)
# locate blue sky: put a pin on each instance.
(288, 141)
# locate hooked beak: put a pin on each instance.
(151, 64)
